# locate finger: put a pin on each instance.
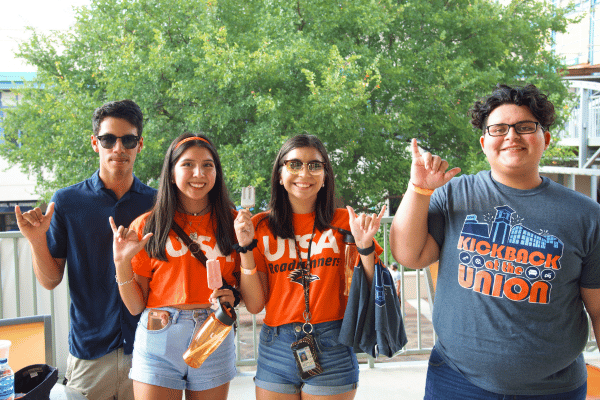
(145, 239)
(113, 226)
(362, 220)
(50, 210)
(32, 217)
(22, 221)
(436, 161)
(227, 299)
(451, 174)
(371, 221)
(415, 149)
(246, 214)
(443, 166)
(427, 160)
(18, 214)
(351, 214)
(381, 213)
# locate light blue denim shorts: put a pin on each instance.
(277, 371)
(158, 355)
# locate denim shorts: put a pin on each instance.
(158, 355)
(444, 383)
(277, 371)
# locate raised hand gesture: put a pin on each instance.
(428, 171)
(126, 243)
(364, 226)
(33, 224)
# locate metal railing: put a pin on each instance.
(584, 122)
(22, 295)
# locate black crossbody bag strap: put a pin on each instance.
(191, 245)
(200, 256)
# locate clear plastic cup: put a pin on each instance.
(4, 348)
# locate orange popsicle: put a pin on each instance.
(213, 274)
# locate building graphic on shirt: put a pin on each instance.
(507, 261)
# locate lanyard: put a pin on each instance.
(305, 268)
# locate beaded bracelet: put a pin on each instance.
(366, 251)
(243, 249)
(123, 283)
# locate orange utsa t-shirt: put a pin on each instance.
(182, 279)
(278, 259)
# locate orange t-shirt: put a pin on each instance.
(182, 279)
(278, 259)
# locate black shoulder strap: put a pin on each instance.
(200, 256)
(191, 245)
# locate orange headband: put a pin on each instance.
(188, 139)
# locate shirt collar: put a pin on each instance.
(98, 185)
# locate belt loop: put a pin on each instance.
(195, 316)
(175, 316)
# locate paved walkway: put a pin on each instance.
(401, 377)
(397, 380)
(403, 380)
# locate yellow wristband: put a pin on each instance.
(246, 271)
(426, 192)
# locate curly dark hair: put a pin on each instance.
(123, 109)
(528, 95)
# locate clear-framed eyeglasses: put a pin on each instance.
(522, 128)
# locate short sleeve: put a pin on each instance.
(57, 235)
(590, 269)
(436, 220)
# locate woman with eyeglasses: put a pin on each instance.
(159, 276)
(295, 271)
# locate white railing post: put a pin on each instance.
(583, 122)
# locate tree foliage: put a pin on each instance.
(363, 75)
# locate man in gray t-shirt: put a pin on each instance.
(519, 257)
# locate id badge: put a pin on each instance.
(305, 353)
(158, 319)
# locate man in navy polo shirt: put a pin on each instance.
(75, 232)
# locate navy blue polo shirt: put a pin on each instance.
(81, 233)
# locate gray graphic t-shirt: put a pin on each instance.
(508, 310)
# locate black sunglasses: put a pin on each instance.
(108, 141)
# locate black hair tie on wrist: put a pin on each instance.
(367, 251)
(243, 249)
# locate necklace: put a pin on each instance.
(305, 270)
(191, 213)
(193, 235)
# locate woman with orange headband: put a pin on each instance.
(159, 276)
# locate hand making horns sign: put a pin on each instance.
(428, 171)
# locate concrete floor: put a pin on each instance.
(397, 380)
(389, 380)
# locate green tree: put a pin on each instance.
(363, 75)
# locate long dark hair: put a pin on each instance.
(280, 218)
(162, 214)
